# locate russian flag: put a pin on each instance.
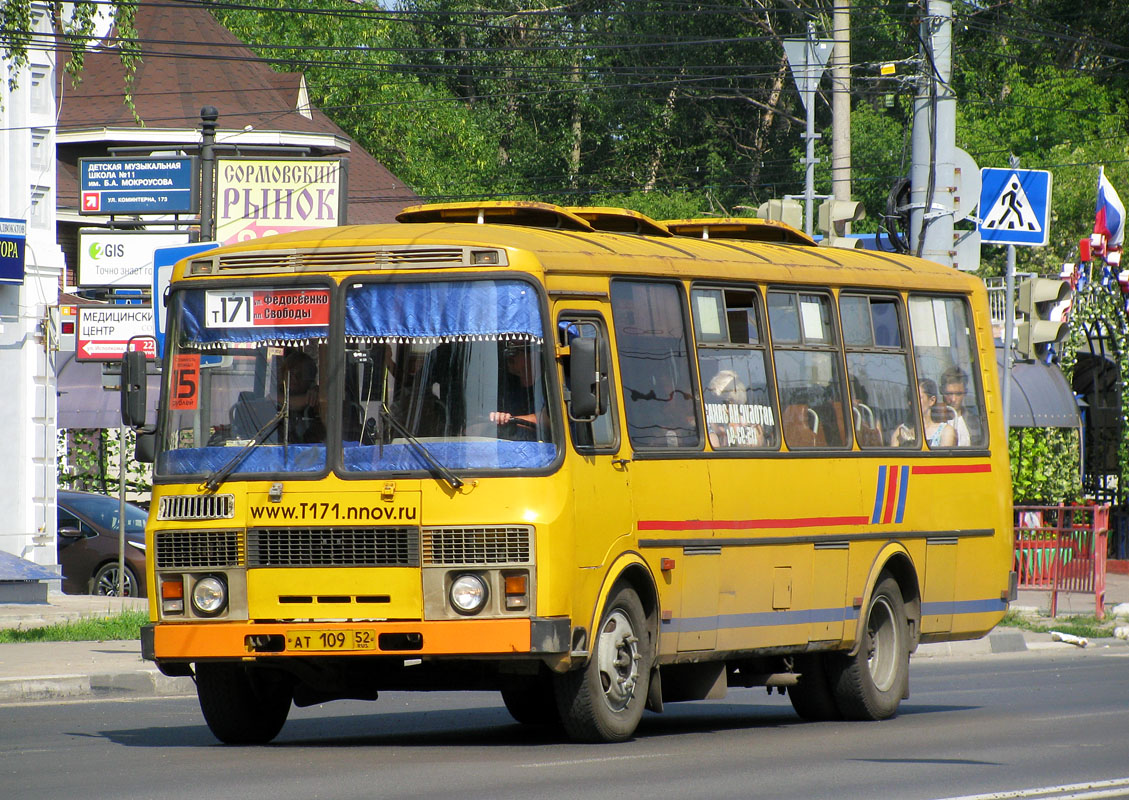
(1109, 219)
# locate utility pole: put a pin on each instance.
(934, 140)
(810, 135)
(841, 107)
(209, 116)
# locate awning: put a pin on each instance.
(1040, 396)
(83, 403)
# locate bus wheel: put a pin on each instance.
(532, 701)
(242, 705)
(811, 696)
(604, 701)
(870, 684)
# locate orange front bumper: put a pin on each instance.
(192, 641)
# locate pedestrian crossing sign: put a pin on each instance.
(1015, 206)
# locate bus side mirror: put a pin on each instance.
(586, 383)
(145, 448)
(133, 387)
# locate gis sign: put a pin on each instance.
(121, 258)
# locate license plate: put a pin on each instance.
(336, 641)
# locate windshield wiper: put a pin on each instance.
(220, 475)
(452, 479)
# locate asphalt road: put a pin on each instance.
(995, 724)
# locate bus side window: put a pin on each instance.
(944, 347)
(654, 365)
(733, 364)
(598, 434)
(877, 368)
(808, 372)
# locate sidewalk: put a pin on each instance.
(62, 670)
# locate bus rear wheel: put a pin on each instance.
(870, 684)
(243, 705)
(604, 701)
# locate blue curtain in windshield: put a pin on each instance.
(446, 311)
(194, 329)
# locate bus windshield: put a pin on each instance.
(436, 376)
(455, 368)
(247, 375)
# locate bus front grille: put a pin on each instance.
(197, 549)
(456, 546)
(333, 547)
(196, 506)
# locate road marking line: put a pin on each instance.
(1092, 790)
(1088, 715)
(574, 761)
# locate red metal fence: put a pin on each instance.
(1062, 549)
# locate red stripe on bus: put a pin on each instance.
(891, 495)
(951, 469)
(746, 524)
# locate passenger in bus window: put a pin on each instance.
(954, 390)
(939, 432)
(520, 417)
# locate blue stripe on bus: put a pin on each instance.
(771, 619)
(903, 486)
(764, 619)
(963, 607)
(878, 494)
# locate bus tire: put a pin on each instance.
(604, 701)
(242, 705)
(811, 696)
(870, 684)
(532, 701)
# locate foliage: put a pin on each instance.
(1100, 305)
(123, 626)
(1045, 465)
(74, 24)
(595, 99)
(87, 460)
(1080, 625)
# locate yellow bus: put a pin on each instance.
(595, 462)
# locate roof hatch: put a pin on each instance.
(751, 228)
(509, 212)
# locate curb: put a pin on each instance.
(142, 683)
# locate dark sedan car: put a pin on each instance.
(88, 544)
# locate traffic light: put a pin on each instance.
(1037, 299)
(789, 212)
(833, 216)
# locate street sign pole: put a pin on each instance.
(121, 516)
(1009, 319)
(807, 58)
(1009, 331)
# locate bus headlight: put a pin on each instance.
(209, 596)
(468, 593)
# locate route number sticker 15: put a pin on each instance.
(252, 308)
(185, 382)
